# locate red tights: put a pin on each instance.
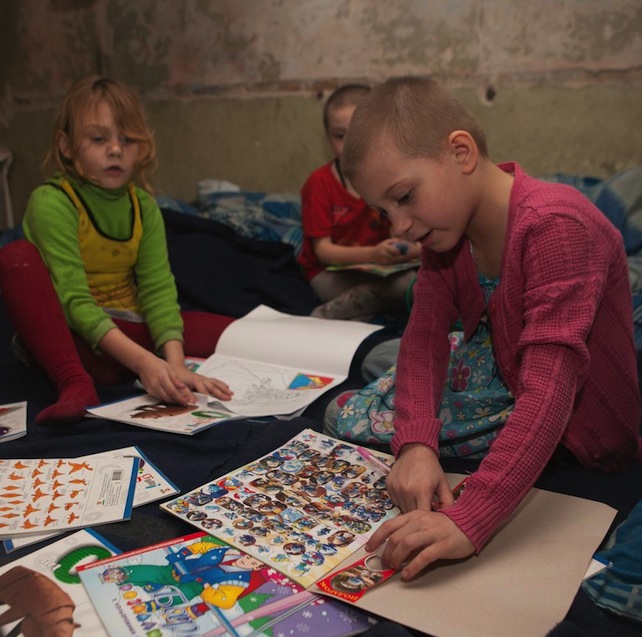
(72, 366)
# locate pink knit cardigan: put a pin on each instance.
(561, 320)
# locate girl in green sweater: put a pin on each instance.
(90, 292)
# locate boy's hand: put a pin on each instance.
(391, 251)
(416, 484)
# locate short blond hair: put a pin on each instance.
(128, 113)
(417, 113)
(346, 95)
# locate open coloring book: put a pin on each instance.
(276, 364)
(199, 585)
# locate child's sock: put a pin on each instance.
(36, 313)
(74, 396)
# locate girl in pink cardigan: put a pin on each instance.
(538, 279)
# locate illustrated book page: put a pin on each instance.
(199, 585)
(302, 509)
(63, 493)
(151, 485)
(58, 562)
(145, 411)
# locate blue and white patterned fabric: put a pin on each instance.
(256, 215)
(619, 587)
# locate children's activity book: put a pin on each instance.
(377, 268)
(302, 509)
(58, 562)
(199, 585)
(13, 421)
(276, 364)
(151, 485)
(54, 494)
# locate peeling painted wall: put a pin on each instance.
(234, 88)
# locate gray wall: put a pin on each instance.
(234, 88)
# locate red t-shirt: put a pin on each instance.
(329, 210)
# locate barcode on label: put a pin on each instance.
(117, 475)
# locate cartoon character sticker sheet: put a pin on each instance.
(303, 509)
(62, 493)
(353, 582)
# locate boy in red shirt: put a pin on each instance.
(340, 229)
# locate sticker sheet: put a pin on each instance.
(56, 494)
(302, 509)
(151, 485)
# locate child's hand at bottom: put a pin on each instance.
(414, 540)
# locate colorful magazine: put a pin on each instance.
(199, 585)
(303, 509)
(58, 562)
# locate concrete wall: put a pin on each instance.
(234, 88)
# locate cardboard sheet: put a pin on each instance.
(522, 583)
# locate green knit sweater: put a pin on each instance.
(51, 223)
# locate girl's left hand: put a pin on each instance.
(204, 384)
(416, 539)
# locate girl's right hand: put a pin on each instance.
(160, 380)
(416, 480)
